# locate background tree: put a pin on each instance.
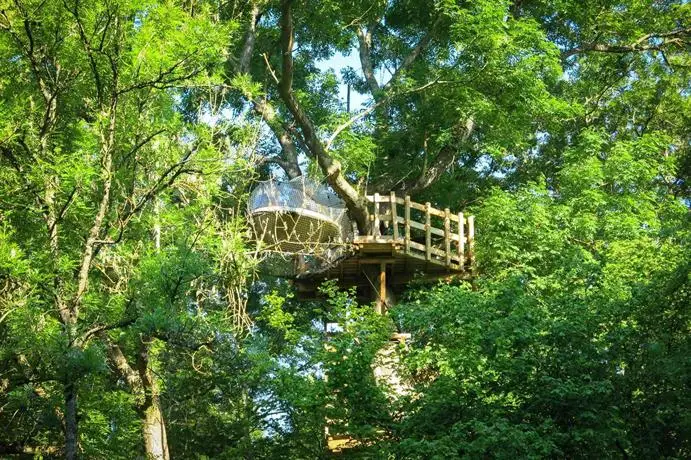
(98, 141)
(131, 131)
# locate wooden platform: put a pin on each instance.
(407, 241)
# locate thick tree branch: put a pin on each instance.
(250, 39)
(107, 146)
(123, 368)
(331, 168)
(414, 54)
(444, 159)
(88, 49)
(96, 330)
(364, 37)
(679, 37)
(365, 52)
(289, 154)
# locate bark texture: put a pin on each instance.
(142, 383)
(356, 203)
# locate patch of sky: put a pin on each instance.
(341, 63)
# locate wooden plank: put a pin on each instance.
(375, 225)
(373, 239)
(421, 257)
(471, 238)
(424, 208)
(447, 236)
(377, 260)
(433, 230)
(381, 198)
(437, 252)
(436, 212)
(415, 255)
(383, 218)
(377, 198)
(394, 215)
(406, 222)
(461, 242)
(425, 249)
(417, 225)
(418, 206)
(415, 245)
(428, 231)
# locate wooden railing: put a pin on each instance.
(422, 231)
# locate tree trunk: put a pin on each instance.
(142, 382)
(71, 435)
(155, 439)
(356, 203)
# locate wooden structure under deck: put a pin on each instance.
(407, 240)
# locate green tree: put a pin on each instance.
(130, 132)
(90, 139)
(566, 346)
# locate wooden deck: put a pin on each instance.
(420, 231)
(407, 241)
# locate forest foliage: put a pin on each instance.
(136, 320)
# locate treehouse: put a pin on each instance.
(406, 241)
(307, 225)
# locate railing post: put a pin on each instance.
(375, 227)
(471, 239)
(428, 232)
(461, 240)
(394, 216)
(407, 223)
(447, 236)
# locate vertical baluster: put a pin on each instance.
(471, 240)
(447, 237)
(375, 228)
(428, 232)
(461, 240)
(406, 217)
(381, 302)
(394, 216)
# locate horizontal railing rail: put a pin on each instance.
(423, 232)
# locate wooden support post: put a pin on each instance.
(301, 264)
(471, 239)
(407, 224)
(375, 226)
(381, 302)
(461, 240)
(394, 217)
(428, 232)
(447, 237)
